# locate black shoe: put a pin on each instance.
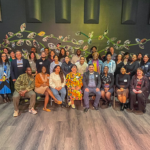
(86, 109)
(122, 107)
(96, 108)
(63, 104)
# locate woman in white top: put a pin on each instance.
(54, 63)
(57, 83)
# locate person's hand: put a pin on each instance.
(1, 79)
(106, 89)
(24, 92)
(44, 84)
(97, 89)
(121, 89)
(134, 91)
(139, 91)
(14, 80)
(87, 90)
(73, 88)
(77, 88)
(21, 93)
(59, 88)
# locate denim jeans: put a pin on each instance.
(62, 95)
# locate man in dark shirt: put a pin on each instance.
(43, 62)
(18, 66)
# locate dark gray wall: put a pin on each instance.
(14, 14)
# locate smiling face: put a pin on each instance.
(32, 56)
(106, 69)
(12, 55)
(139, 56)
(62, 51)
(29, 71)
(112, 50)
(3, 57)
(95, 55)
(46, 50)
(145, 58)
(108, 57)
(119, 57)
(43, 69)
(74, 69)
(57, 69)
(18, 55)
(134, 58)
(123, 70)
(67, 59)
(56, 58)
(139, 72)
(5, 51)
(91, 68)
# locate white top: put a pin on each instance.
(81, 68)
(55, 81)
(52, 65)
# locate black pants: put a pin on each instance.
(137, 97)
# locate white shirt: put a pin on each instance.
(81, 68)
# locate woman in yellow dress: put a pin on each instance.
(74, 84)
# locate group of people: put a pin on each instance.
(55, 74)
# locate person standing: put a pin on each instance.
(43, 62)
(18, 66)
(76, 58)
(82, 66)
(4, 77)
(12, 56)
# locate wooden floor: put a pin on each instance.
(68, 129)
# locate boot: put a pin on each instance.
(122, 107)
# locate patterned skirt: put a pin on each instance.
(75, 94)
(5, 87)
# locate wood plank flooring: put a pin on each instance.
(68, 129)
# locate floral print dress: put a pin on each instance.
(74, 80)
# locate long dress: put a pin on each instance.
(4, 85)
(74, 80)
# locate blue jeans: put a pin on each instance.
(62, 95)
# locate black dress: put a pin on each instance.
(132, 67)
(118, 67)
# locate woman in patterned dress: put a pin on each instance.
(74, 84)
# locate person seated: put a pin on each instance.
(54, 63)
(139, 92)
(4, 77)
(57, 84)
(66, 66)
(42, 87)
(82, 66)
(110, 63)
(74, 84)
(76, 58)
(90, 57)
(96, 62)
(32, 61)
(91, 83)
(107, 80)
(24, 86)
(122, 87)
(43, 62)
(62, 55)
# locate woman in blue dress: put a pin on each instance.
(4, 77)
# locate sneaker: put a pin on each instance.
(86, 109)
(69, 103)
(96, 108)
(32, 111)
(73, 106)
(16, 113)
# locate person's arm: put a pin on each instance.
(99, 81)
(148, 71)
(80, 81)
(136, 65)
(114, 66)
(117, 84)
(64, 83)
(37, 84)
(146, 87)
(51, 84)
(112, 81)
(128, 82)
(68, 80)
(18, 83)
(132, 83)
(84, 80)
(8, 72)
(12, 71)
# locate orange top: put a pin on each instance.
(39, 80)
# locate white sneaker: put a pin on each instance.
(16, 113)
(32, 111)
